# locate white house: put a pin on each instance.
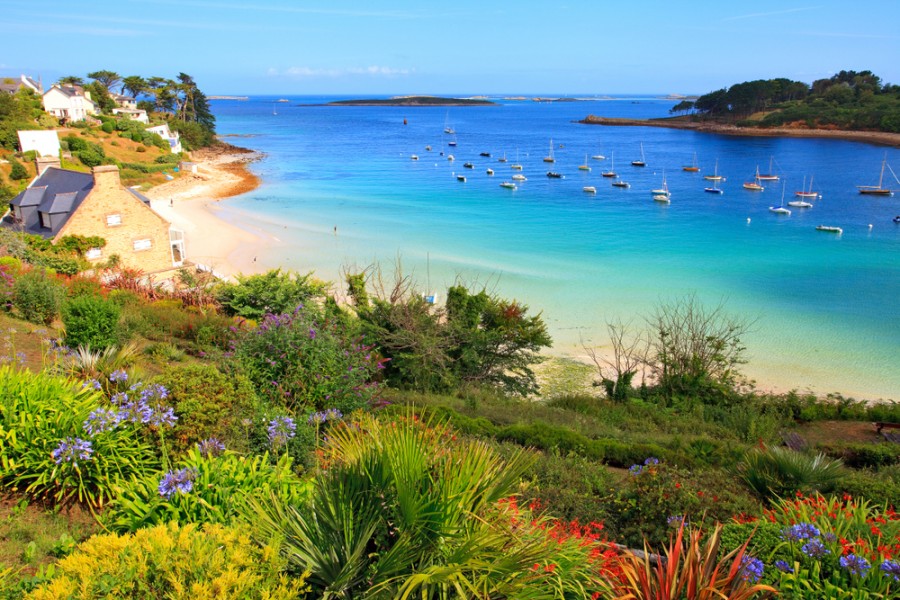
(124, 101)
(45, 143)
(135, 114)
(70, 102)
(172, 137)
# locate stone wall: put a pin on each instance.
(114, 214)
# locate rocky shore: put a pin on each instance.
(881, 138)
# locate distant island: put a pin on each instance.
(849, 105)
(414, 101)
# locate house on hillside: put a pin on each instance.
(165, 133)
(69, 103)
(11, 85)
(60, 202)
(135, 114)
(45, 143)
(124, 101)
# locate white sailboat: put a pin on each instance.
(770, 176)
(715, 176)
(516, 166)
(662, 194)
(612, 167)
(780, 210)
(801, 203)
(640, 163)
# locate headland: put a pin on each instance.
(414, 101)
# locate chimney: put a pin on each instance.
(106, 177)
(42, 163)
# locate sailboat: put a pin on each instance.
(770, 176)
(715, 176)
(807, 193)
(878, 190)
(589, 189)
(584, 167)
(516, 166)
(693, 168)
(598, 157)
(662, 194)
(715, 189)
(502, 158)
(274, 112)
(549, 158)
(780, 210)
(612, 167)
(640, 163)
(754, 185)
(447, 129)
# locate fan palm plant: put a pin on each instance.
(773, 472)
(403, 509)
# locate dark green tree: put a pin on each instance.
(134, 85)
(71, 80)
(108, 79)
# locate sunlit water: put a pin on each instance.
(824, 306)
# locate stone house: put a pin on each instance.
(60, 202)
(69, 103)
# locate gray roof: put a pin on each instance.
(139, 196)
(56, 191)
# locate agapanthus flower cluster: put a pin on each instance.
(676, 520)
(92, 383)
(783, 566)
(891, 568)
(751, 568)
(651, 461)
(800, 531)
(280, 430)
(180, 481)
(636, 469)
(118, 376)
(330, 414)
(143, 404)
(211, 447)
(857, 565)
(102, 420)
(815, 548)
(72, 450)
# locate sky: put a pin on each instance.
(378, 47)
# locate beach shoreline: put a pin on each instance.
(881, 138)
(218, 238)
(191, 203)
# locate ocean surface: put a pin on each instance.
(341, 192)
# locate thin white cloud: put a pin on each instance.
(370, 71)
(771, 14)
(73, 29)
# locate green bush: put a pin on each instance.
(879, 487)
(18, 171)
(92, 322)
(208, 404)
(51, 447)
(296, 361)
(219, 486)
(862, 456)
(108, 126)
(171, 561)
(37, 296)
(90, 157)
(271, 293)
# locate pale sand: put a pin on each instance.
(190, 203)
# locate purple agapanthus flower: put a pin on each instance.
(72, 450)
(280, 430)
(815, 549)
(101, 420)
(211, 447)
(636, 469)
(783, 566)
(857, 565)
(180, 481)
(891, 568)
(751, 568)
(118, 376)
(163, 416)
(800, 531)
(651, 461)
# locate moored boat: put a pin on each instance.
(807, 193)
(640, 163)
(414, 157)
(589, 189)
(621, 184)
(549, 158)
(664, 198)
(584, 166)
(715, 176)
(878, 190)
(754, 185)
(508, 185)
(830, 229)
(461, 178)
(554, 175)
(490, 171)
(468, 165)
(780, 210)
(770, 176)
(692, 168)
(487, 154)
(519, 177)
(612, 167)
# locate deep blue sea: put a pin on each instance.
(824, 306)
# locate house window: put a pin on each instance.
(45, 221)
(113, 220)
(93, 254)
(142, 245)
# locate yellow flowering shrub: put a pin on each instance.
(187, 562)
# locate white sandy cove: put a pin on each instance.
(190, 203)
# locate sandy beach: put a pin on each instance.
(190, 203)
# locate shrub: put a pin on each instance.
(209, 404)
(52, 445)
(774, 472)
(171, 561)
(218, 487)
(18, 171)
(874, 486)
(37, 296)
(108, 127)
(861, 456)
(92, 322)
(296, 361)
(274, 292)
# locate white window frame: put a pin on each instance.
(94, 253)
(113, 220)
(142, 244)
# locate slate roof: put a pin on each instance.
(56, 191)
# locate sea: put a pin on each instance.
(341, 193)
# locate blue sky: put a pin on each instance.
(401, 47)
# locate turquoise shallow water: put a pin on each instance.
(824, 306)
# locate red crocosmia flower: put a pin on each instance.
(549, 568)
(677, 486)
